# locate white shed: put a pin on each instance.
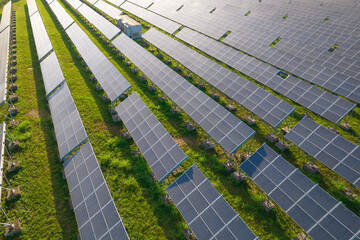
(129, 26)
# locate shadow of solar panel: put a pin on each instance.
(95, 211)
(229, 131)
(110, 79)
(257, 100)
(61, 15)
(334, 151)
(157, 146)
(42, 41)
(206, 212)
(104, 26)
(314, 210)
(51, 72)
(69, 130)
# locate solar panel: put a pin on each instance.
(323, 103)
(4, 54)
(92, 2)
(69, 130)
(2, 151)
(32, 7)
(157, 146)
(104, 26)
(95, 211)
(268, 107)
(5, 17)
(110, 79)
(334, 151)
(220, 124)
(314, 210)
(51, 72)
(74, 3)
(154, 19)
(117, 2)
(61, 15)
(42, 41)
(111, 11)
(205, 211)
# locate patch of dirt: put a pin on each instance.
(30, 68)
(190, 141)
(34, 113)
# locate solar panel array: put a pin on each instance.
(95, 211)
(154, 19)
(314, 210)
(42, 41)
(331, 80)
(74, 3)
(104, 26)
(32, 7)
(323, 103)
(69, 130)
(334, 151)
(61, 15)
(156, 145)
(116, 2)
(4, 46)
(110, 79)
(111, 11)
(206, 212)
(265, 105)
(51, 73)
(2, 151)
(220, 124)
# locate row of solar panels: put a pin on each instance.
(314, 210)
(347, 86)
(323, 103)
(108, 29)
(4, 46)
(260, 102)
(94, 208)
(110, 79)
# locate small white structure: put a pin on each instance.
(129, 26)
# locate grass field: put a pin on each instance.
(44, 207)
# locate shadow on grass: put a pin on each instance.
(65, 218)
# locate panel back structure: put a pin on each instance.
(4, 46)
(157, 20)
(95, 211)
(334, 151)
(325, 104)
(262, 103)
(313, 209)
(2, 151)
(69, 130)
(61, 15)
(226, 129)
(159, 149)
(42, 41)
(110, 79)
(102, 24)
(51, 72)
(205, 211)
